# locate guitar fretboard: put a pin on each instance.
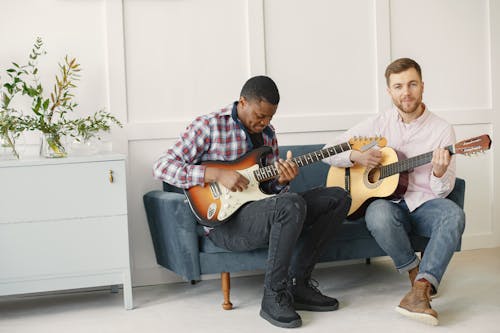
(408, 164)
(269, 172)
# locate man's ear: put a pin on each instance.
(243, 100)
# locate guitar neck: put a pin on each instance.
(269, 172)
(410, 163)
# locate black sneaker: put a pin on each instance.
(277, 308)
(307, 296)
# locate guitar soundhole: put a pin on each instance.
(374, 175)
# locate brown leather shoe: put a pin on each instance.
(412, 274)
(416, 304)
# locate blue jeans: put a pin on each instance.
(277, 222)
(440, 220)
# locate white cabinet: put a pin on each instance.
(63, 225)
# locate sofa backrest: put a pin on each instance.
(311, 175)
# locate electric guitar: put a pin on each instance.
(391, 178)
(213, 203)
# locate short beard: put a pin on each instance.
(410, 111)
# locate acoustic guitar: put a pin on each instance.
(391, 178)
(213, 203)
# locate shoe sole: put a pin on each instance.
(316, 308)
(421, 317)
(292, 324)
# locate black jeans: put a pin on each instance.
(277, 222)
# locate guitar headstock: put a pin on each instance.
(365, 143)
(473, 145)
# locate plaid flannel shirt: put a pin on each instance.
(218, 136)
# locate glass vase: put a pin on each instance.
(8, 149)
(84, 147)
(51, 146)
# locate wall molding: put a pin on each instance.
(256, 38)
(116, 66)
(170, 129)
(494, 23)
(382, 37)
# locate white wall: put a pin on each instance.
(158, 63)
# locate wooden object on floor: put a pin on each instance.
(226, 287)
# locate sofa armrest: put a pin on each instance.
(173, 231)
(458, 193)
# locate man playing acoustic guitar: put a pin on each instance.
(275, 221)
(411, 129)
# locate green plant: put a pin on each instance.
(90, 127)
(50, 114)
(12, 121)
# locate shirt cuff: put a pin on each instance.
(441, 186)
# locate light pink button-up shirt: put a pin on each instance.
(422, 135)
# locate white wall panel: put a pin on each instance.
(451, 41)
(477, 172)
(322, 55)
(184, 58)
(142, 253)
(327, 58)
(74, 28)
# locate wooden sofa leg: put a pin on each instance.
(368, 261)
(226, 287)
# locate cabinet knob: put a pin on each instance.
(111, 179)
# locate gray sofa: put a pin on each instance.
(180, 244)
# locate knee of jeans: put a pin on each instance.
(293, 206)
(455, 219)
(344, 198)
(378, 215)
(338, 198)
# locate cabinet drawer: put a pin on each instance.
(42, 250)
(59, 191)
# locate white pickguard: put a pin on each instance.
(231, 201)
